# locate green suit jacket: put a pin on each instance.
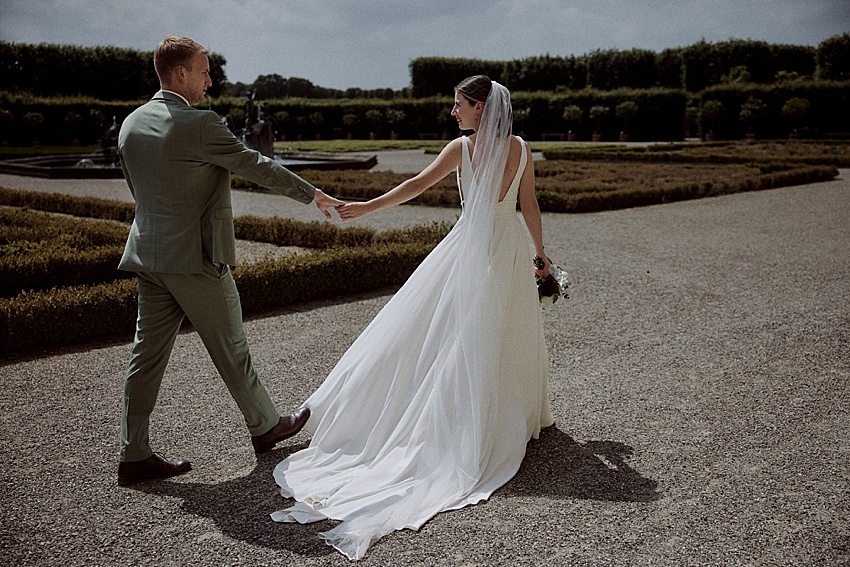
(177, 161)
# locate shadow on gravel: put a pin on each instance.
(240, 508)
(556, 465)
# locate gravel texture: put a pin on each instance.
(699, 382)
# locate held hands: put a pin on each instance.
(325, 202)
(351, 211)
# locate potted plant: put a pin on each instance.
(350, 122)
(281, 118)
(625, 111)
(796, 109)
(573, 116)
(395, 116)
(34, 122)
(711, 112)
(375, 117)
(599, 114)
(752, 113)
(74, 121)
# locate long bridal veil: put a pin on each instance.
(418, 416)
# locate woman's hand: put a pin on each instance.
(351, 211)
(544, 271)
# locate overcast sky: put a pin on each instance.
(369, 43)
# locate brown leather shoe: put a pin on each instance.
(152, 467)
(286, 427)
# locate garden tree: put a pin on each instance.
(796, 109)
(34, 122)
(395, 117)
(237, 89)
(625, 111)
(710, 113)
(318, 120)
(599, 114)
(572, 115)
(350, 122)
(752, 113)
(521, 118)
(375, 118)
(384, 94)
(275, 86)
(833, 58)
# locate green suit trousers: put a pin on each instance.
(211, 302)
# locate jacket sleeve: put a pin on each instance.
(126, 175)
(221, 148)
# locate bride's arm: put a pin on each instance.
(444, 164)
(531, 212)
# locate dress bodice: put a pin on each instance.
(506, 205)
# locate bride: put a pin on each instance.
(430, 409)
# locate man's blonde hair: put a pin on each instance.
(172, 52)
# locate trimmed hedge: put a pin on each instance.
(68, 315)
(44, 257)
(39, 250)
(289, 232)
(92, 207)
(48, 270)
(787, 152)
(602, 199)
(109, 310)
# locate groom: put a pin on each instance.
(177, 161)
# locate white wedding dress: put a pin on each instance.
(430, 409)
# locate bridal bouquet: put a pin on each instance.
(553, 286)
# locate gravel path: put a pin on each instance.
(699, 380)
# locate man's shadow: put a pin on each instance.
(240, 507)
(555, 466)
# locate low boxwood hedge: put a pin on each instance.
(78, 314)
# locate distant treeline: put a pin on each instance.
(111, 73)
(275, 86)
(693, 68)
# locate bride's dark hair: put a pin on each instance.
(475, 88)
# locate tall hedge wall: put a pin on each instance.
(106, 73)
(693, 67)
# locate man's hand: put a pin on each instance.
(325, 202)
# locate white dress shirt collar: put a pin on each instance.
(178, 94)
